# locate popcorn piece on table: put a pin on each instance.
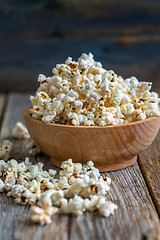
(107, 208)
(33, 148)
(6, 150)
(43, 215)
(76, 205)
(20, 131)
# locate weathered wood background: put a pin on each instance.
(35, 35)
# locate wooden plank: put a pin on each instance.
(14, 223)
(135, 217)
(150, 167)
(124, 38)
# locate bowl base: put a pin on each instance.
(105, 168)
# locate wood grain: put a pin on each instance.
(13, 112)
(14, 219)
(110, 147)
(135, 217)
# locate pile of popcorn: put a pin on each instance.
(84, 93)
(78, 189)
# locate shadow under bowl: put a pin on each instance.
(109, 147)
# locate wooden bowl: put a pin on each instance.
(109, 147)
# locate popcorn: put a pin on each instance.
(84, 93)
(43, 215)
(79, 188)
(3, 166)
(2, 185)
(138, 114)
(10, 180)
(68, 168)
(33, 148)
(20, 131)
(6, 150)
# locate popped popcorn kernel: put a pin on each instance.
(6, 150)
(33, 148)
(42, 216)
(84, 93)
(20, 131)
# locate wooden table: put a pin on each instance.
(135, 190)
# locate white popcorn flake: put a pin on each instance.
(107, 208)
(10, 180)
(41, 78)
(33, 148)
(68, 168)
(6, 150)
(20, 131)
(42, 216)
(3, 166)
(2, 185)
(78, 189)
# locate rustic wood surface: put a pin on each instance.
(149, 162)
(35, 35)
(135, 218)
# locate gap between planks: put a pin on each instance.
(135, 217)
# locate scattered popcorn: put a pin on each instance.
(33, 148)
(10, 180)
(76, 205)
(78, 189)
(107, 208)
(84, 93)
(43, 215)
(6, 150)
(20, 131)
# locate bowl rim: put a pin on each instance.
(26, 114)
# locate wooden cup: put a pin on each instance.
(109, 147)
